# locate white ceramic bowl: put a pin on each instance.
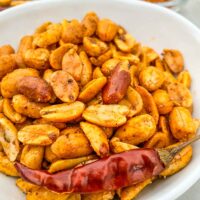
(152, 25)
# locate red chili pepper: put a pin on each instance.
(111, 173)
(117, 84)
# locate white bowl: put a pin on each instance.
(152, 25)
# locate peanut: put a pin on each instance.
(25, 107)
(106, 115)
(97, 138)
(106, 30)
(64, 86)
(10, 113)
(35, 88)
(63, 112)
(137, 130)
(91, 89)
(42, 134)
(8, 138)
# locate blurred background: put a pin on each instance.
(188, 8)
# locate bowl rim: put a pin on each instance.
(183, 186)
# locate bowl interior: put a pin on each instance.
(154, 26)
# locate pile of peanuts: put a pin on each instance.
(76, 91)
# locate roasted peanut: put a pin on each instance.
(180, 161)
(106, 115)
(117, 84)
(1, 104)
(125, 42)
(185, 78)
(137, 129)
(26, 186)
(8, 138)
(99, 196)
(158, 140)
(63, 112)
(37, 58)
(9, 82)
(32, 156)
(71, 63)
(48, 37)
(25, 107)
(35, 88)
(39, 134)
(151, 78)
(92, 88)
(47, 75)
(127, 103)
(94, 47)
(163, 126)
(42, 28)
(89, 24)
(129, 193)
(134, 75)
(49, 155)
(7, 167)
(25, 44)
(71, 144)
(97, 73)
(117, 146)
(135, 99)
(108, 131)
(97, 138)
(64, 86)
(148, 102)
(86, 68)
(173, 59)
(60, 165)
(163, 102)
(45, 194)
(59, 125)
(106, 30)
(72, 31)
(16, 3)
(56, 55)
(6, 50)
(133, 59)
(181, 123)
(159, 64)
(150, 54)
(7, 64)
(101, 59)
(180, 95)
(109, 66)
(10, 113)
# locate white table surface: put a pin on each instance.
(192, 11)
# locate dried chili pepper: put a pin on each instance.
(111, 173)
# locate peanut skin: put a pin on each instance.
(35, 88)
(117, 84)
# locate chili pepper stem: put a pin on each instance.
(167, 155)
